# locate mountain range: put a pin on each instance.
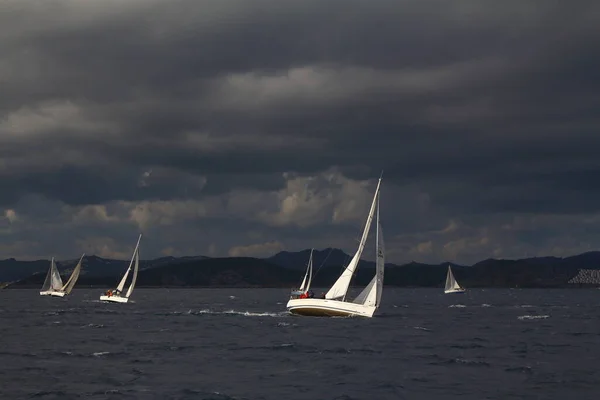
(285, 269)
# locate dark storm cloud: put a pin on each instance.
(484, 107)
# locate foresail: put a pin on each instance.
(122, 283)
(306, 275)
(448, 285)
(47, 281)
(455, 284)
(301, 288)
(340, 287)
(73, 278)
(124, 278)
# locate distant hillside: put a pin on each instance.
(299, 260)
(285, 269)
(12, 270)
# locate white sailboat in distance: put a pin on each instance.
(304, 288)
(53, 285)
(452, 285)
(115, 295)
(335, 302)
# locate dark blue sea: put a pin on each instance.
(241, 344)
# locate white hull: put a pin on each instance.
(329, 308)
(114, 299)
(450, 291)
(52, 293)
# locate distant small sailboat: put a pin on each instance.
(304, 288)
(53, 285)
(53, 282)
(452, 285)
(115, 295)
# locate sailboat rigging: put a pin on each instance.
(334, 302)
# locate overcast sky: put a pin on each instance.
(249, 127)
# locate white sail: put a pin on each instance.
(367, 293)
(451, 283)
(307, 275)
(73, 278)
(340, 287)
(47, 281)
(335, 303)
(371, 294)
(135, 271)
(55, 280)
(121, 285)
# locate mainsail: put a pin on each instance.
(340, 287)
(73, 278)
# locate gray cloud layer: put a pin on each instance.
(248, 127)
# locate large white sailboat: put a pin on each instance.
(304, 288)
(115, 295)
(335, 302)
(452, 285)
(53, 285)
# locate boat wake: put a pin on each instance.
(420, 328)
(527, 317)
(242, 313)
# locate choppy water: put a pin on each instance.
(240, 344)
